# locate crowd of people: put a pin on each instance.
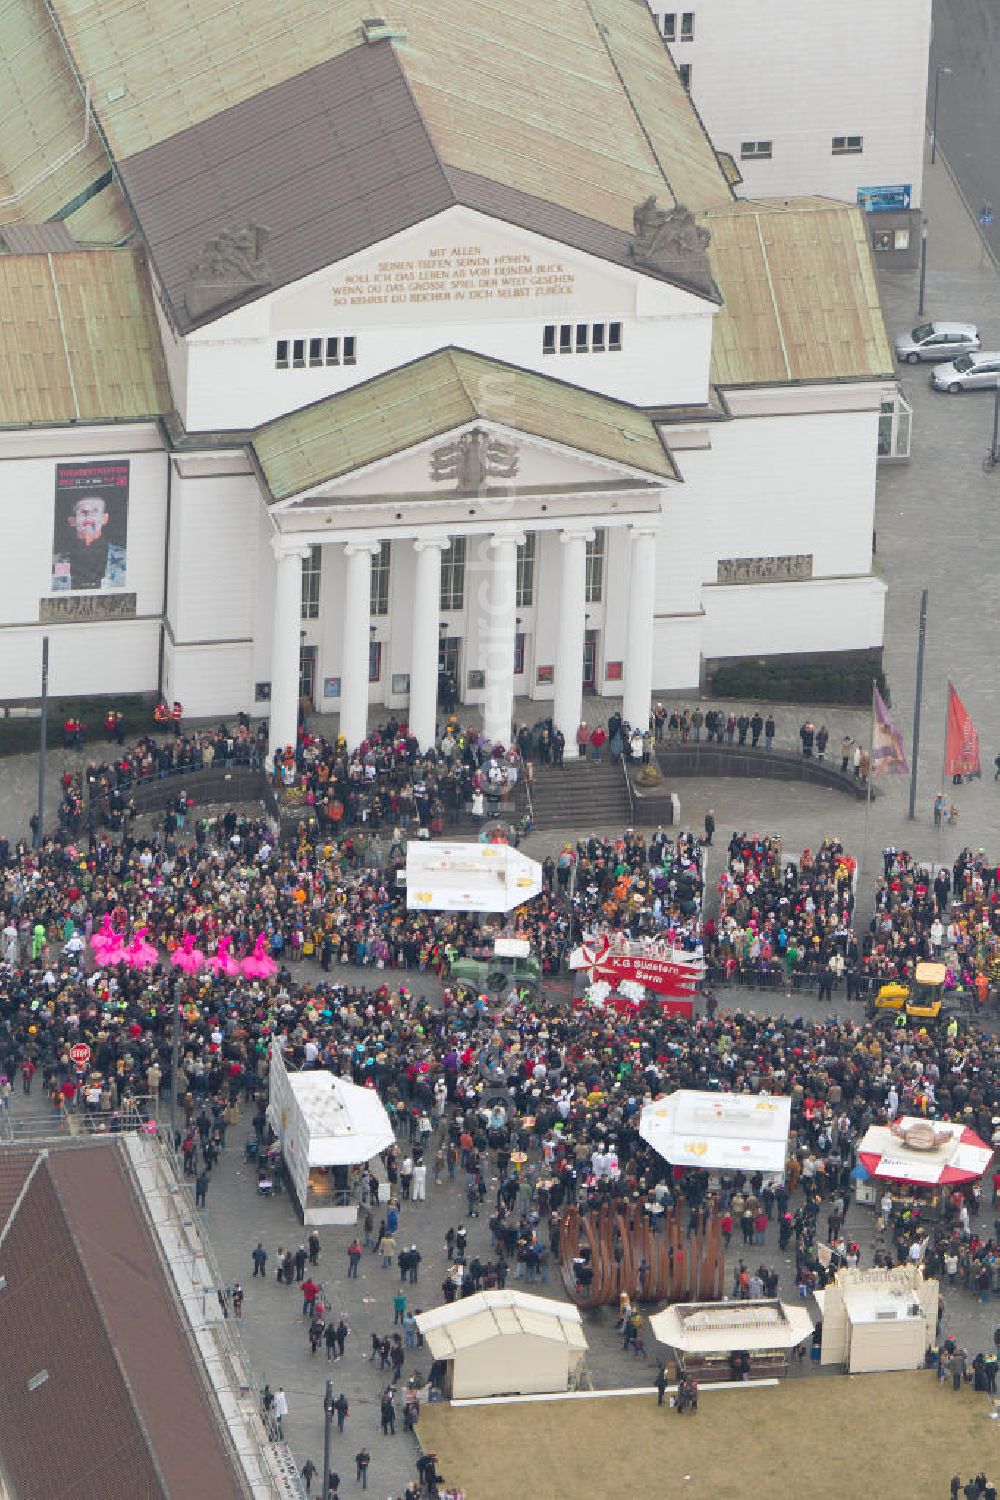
(529, 1101)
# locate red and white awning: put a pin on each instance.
(958, 1156)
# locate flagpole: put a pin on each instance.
(918, 695)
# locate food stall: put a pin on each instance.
(716, 1340)
(920, 1161)
(325, 1125)
(879, 1319)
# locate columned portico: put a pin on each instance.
(639, 653)
(284, 716)
(495, 600)
(424, 638)
(568, 706)
(356, 638)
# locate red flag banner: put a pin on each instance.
(888, 755)
(961, 746)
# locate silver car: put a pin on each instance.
(969, 372)
(942, 340)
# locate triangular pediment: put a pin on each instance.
(459, 420)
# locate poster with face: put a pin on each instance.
(89, 540)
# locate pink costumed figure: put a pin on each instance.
(139, 954)
(108, 945)
(187, 956)
(222, 963)
(259, 965)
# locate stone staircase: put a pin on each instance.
(589, 795)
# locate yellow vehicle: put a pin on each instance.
(922, 999)
(891, 997)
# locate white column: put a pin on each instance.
(357, 639)
(641, 601)
(568, 707)
(496, 605)
(424, 656)
(285, 645)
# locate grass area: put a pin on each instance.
(826, 1437)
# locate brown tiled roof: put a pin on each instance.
(122, 1413)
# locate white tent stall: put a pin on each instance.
(505, 1343)
(721, 1132)
(325, 1125)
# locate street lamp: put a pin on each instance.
(937, 86)
(328, 1410)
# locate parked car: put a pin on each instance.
(969, 372)
(940, 340)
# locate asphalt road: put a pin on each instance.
(966, 38)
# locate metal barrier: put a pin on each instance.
(628, 790)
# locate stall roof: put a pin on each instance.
(711, 1327)
(961, 1157)
(724, 1131)
(346, 1123)
(486, 1315)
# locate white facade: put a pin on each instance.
(787, 80)
(458, 280)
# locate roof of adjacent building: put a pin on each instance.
(36, 239)
(78, 339)
(53, 163)
(435, 395)
(560, 117)
(99, 1393)
(488, 1315)
(800, 301)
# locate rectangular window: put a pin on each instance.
(381, 564)
(311, 572)
(759, 149)
(374, 660)
(453, 575)
(526, 572)
(687, 25)
(549, 339)
(350, 350)
(582, 338)
(299, 354)
(685, 71)
(615, 337)
(847, 145)
(597, 338)
(670, 26)
(518, 654)
(281, 355)
(315, 352)
(595, 568)
(565, 338)
(333, 351)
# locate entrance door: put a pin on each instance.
(449, 650)
(590, 662)
(307, 674)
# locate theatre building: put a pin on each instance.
(342, 357)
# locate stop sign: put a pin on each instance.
(80, 1053)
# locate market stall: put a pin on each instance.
(732, 1340)
(325, 1125)
(880, 1319)
(920, 1160)
(504, 1343)
(726, 1132)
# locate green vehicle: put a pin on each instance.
(510, 963)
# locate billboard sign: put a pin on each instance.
(90, 530)
(885, 200)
